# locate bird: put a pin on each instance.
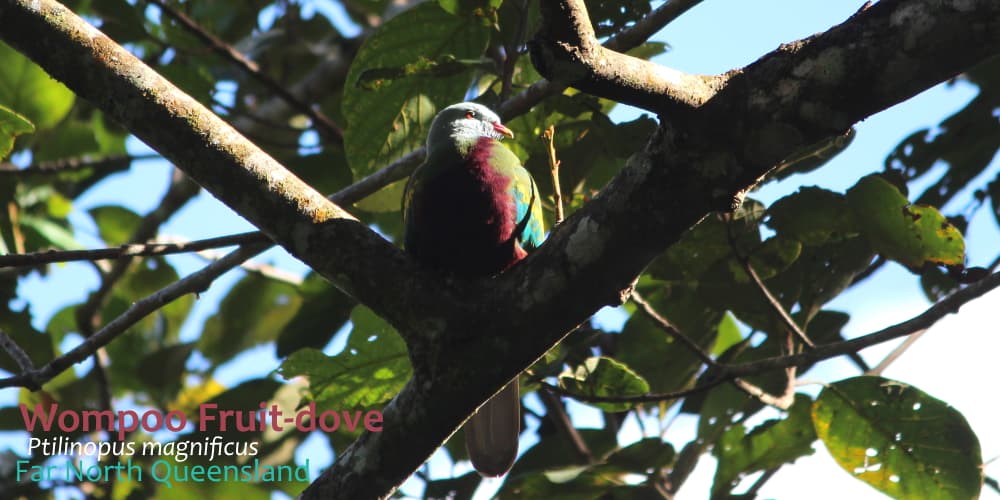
(472, 210)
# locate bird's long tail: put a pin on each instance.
(491, 433)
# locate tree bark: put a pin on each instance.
(718, 136)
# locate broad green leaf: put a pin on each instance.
(29, 90)
(769, 445)
(169, 362)
(812, 215)
(370, 370)
(455, 487)
(643, 345)
(483, 10)
(12, 124)
(387, 199)
(899, 439)
(710, 241)
(913, 235)
(324, 310)
(643, 456)
(252, 313)
(390, 118)
(603, 376)
(147, 277)
(820, 274)
(110, 139)
(567, 483)
(771, 257)
(69, 139)
(554, 452)
(51, 233)
(115, 224)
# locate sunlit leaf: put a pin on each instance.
(29, 90)
(911, 234)
(115, 224)
(390, 118)
(603, 376)
(371, 369)
(12, 124)
(899, 439)
(769, 445)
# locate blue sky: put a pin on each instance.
(716, 36)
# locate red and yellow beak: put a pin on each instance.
(500, 128)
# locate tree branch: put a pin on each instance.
(566, 50)
(726, 372)
(194, 283)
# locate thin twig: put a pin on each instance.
(896, 353)
(263, 270)
(326, 127)
(779, 309)
(557, 413)
(550, 137)
(759, 483)
(20, 357)
(180, 192)
(194, 283)
(129, 250)
(782, 402)
(641, 398)
(671, 330)
(638, 33)
(726, 372)
(992, 483)
(108, 163)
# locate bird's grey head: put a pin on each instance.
(461, 125)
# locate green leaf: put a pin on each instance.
(169, 362)
(913, 235)
(729, 334)
(387, 199)
(603, 376)
(253, 312)
(899, 439)
(644, 346)
(12, 124)
(812, 215)
(454, 487)
(52, 233)
(115, 224)
(554, 452)
(370, 370)
(485, 10)
(324, 310)
(391, 118)
(643, 456)
(28, 88)
(769, 445)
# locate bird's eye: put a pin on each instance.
(470, 114)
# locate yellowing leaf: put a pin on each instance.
(912, 235)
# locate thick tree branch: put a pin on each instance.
(566, 51)
(693, 165)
